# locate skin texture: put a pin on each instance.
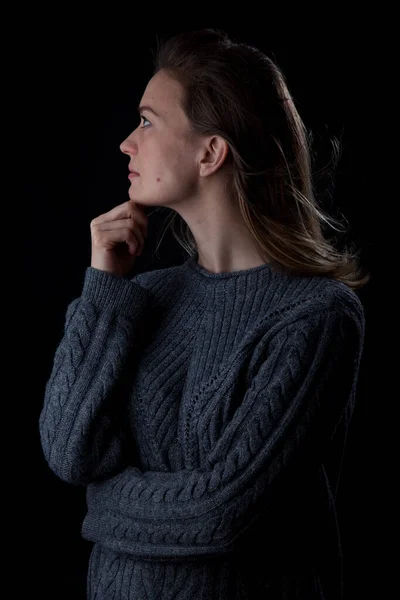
(187, 173)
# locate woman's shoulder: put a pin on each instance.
(339, 297)
(312, 298)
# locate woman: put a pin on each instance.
(206, 406)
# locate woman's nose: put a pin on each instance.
(128, 146)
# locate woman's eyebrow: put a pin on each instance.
(141, 108)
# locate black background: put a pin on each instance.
(77, 84)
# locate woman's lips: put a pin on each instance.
(133, 174)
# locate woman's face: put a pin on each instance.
(162, 149)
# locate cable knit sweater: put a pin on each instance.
(207, 415)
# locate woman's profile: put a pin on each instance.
(206, 406)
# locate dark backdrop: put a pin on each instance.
(78, 87)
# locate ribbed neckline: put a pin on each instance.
(194, 266)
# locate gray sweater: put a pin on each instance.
(207, 415)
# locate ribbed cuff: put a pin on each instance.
(111, 292)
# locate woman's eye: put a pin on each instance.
(144, 118)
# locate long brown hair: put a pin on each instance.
(235, 91)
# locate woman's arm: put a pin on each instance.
(305, 383)
(80, 428)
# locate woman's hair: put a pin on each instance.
(237, 92)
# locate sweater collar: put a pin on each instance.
(194, 266)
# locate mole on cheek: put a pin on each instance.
(158, 179)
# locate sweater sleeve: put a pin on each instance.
(305, 381)
(80, 435)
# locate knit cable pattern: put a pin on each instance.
(289, 412)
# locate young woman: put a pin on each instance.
(206, 406)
